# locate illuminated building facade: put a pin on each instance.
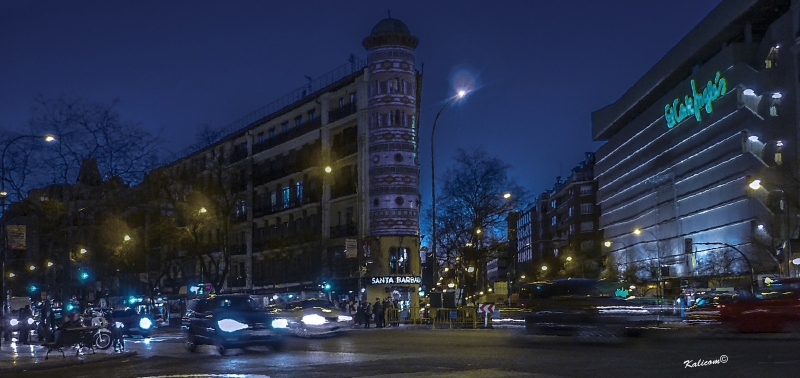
(717, 112)
(333, 161)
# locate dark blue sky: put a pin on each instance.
(542, 66)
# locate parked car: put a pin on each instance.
(775, 310)
(133, 323)
(584, 308)
(313, 317)
(233, 321)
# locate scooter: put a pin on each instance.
(102, 337)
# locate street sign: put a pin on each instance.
(486, 308)
(453, 314)
(351, 248)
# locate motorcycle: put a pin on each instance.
(102, 337)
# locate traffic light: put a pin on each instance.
(83, 275)
(32, 288)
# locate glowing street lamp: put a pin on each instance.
(127, 238)
(451, 285)
(755, 184)
(203, 210)
(32, 267)
(49, 264)
(607, 243)
(544, 268)
(637, 231)
(569, 258)
(83, 251)
(506, 195)
(328, 169)
(471, 269)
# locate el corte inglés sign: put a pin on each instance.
(676, 112)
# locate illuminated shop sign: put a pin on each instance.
(396, 280)
(676, 112)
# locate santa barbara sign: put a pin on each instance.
(384, 280)
(678, 111)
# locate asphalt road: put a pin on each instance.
(454, 353)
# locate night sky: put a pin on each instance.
(541, 67)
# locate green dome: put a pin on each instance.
(390, 25)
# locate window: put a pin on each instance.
(241, 209)
(571, 229)
(352, 99)
(286, 197)
(570, 211)
(312, 114)
(553, 204)
(587, 226)
(341, 102)
(273, 197)
(298, 120)
(587, 245)
(272, 132)
(554, 220)
(587, 208)
(586, 190)
(260, 137)
(285, 127)
(398, 260)
(299, 191)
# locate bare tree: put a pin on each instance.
(84, 129)
(476, 197)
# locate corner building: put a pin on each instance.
(294, 216)
(717, 112)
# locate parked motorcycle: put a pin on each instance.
(102, 337)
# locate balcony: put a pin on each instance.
(344, 111)
(342, 231)
(238, 155)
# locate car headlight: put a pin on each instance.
(119, 325)
(13, 322)
(145, 323)
(230, 325)
(345, 318)
(280, 323)
(314, 319)
(30, 320)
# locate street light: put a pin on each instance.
(544, 268)
(83, 251)
(569, 258)
(755, 184)
(459, 95)
(506, 195)
(3, 195)
(127, 238)
(203, 210)
(32, 267)
(607, 243)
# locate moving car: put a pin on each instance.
(233, 321)
(777, 309)
(582, 307)
(133, 323)
(313, 317)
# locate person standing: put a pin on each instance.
(23, 316)
(367, 314)
(377, 309)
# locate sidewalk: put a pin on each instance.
(18, 358)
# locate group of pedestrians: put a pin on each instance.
(380, 312)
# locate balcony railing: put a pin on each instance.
(341, 231)
(237, 155)
(344, 111)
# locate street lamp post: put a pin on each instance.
(3, 195)
(638, 232)
(459, 95)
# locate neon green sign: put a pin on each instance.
(676, 112)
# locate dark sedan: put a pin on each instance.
(233, 321)
(583, 308)
(133, 323)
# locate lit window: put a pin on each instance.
(272, 132)
(586, 190)
(587, 208)
(554, 221)
(570, 211)
(260, 137)
(312, 114)
(285, 127)
(298, 120)
(299, 190)
(287, 195)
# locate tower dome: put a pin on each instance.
(390, 25)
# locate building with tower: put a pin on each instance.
(325, 181)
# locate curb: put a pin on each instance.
(63, 362)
